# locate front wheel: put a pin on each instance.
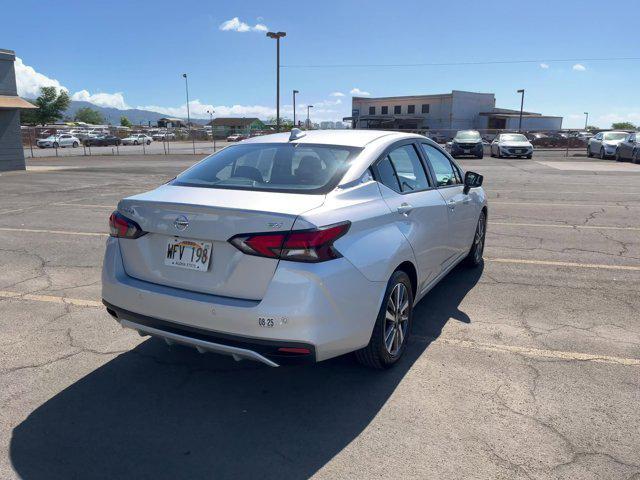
(635, 156)
(75, 145)
(529, 156)
(618, 157)
(135, 142)
(474, 258)
(602, 154)
(148, 142)
(393, 325)
(55, 145)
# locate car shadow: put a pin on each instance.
(159, 412)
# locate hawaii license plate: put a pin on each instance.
(188, 253)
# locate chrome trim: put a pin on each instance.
(200, 345)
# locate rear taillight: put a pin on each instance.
(123, 227)
(297, 246)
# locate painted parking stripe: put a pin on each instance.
(535, 352)
(601, 205)
(553, 263)
(554, 225)
(54, 232)
(524, 190)
(50, 299)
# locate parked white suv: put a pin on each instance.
(295, 247)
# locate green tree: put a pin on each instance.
(29, 117)
(623, 126)
(89, 115)
(592, 128)
(124, 121)
(51, 106)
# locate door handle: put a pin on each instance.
(451, 204)
(404, 209)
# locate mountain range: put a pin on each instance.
(112, 115)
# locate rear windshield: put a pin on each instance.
(298, 168)
(468, 136)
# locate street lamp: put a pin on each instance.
(521, 106)
(586, 119)
(211, 112)
(294, 107)
(186, 86)
(308, 121)
(277, 36)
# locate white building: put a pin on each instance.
(457, 110)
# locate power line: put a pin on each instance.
(449, 64)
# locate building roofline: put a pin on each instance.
(423, 96)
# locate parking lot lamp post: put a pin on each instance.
(294, 107)
(211, 112)
(186, 86)
(308, 120)
(277, 36)
(586, 119)
(521, 106)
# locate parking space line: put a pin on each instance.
(50, 299)
(86, 205)
(553, 225)
(524, 190)
(563, 264)
(55, 232)
(537, 352)
(601, 205)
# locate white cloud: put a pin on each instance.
(336, 94)
(544, 66)
(359, 93)
(198, 109)
(578, 67)
(235, 25)
(29, 81)
(112, 100)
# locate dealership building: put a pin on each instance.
(457, 110)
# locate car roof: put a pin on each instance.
(348, 138)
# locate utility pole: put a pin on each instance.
(277, 36)
(521, 107)
(294, 107)
(586, 119)
(186, 85)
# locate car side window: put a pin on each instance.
(388, 175)
(408, 168)
(446, 172)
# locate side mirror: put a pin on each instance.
(472, 180)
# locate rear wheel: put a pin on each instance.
(474, 258)
(75, 144)
(393, 325)
(148, 142)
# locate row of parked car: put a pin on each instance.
(62, 140)
(471, 143)
(620, 145)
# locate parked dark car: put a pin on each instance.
(102, 141)
(467, 142)
(629, 148)
(540, 139)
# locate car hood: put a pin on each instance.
(511, 143)
(613, 142)
(455, 140)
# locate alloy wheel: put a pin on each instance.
(396, 319)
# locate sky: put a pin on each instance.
(127, 54)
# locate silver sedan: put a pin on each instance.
(297, 247)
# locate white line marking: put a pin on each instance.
(563, 264)
(54, 232)
(50, 299)
(524, 190)
(591, 227)
(537, 352)
(563, 204)
(87, 205)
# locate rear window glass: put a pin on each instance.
(468, 135)
(298, 168)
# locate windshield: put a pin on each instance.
(513, 137)
(297, 168)
(467, 136)
(614, 136)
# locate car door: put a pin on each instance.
(596, 144)
(462, 212)
(420, 211)
(626, 147)
(65, 140)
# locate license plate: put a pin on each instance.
(188, 253)
(466, 150)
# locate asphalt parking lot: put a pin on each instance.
(526, 368)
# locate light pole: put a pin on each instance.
(211, 112)
(308, 121)
(277, 36)
(186, 86)
(586, 119)
(521, 106)
(294, 107)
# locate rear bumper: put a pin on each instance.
(329, 308)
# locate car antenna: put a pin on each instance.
(296, 134)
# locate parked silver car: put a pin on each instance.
(511, 145)
(295, 247)
(629, 148)
(59, 140)
(604, 144)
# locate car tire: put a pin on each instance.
(474, 258)
(135, 142)
(617, 156)
(635, 156)
(529, 156)
(499, 153)
(55, 145)
(481, 156)
(148, 142)
(602, 155)
(392, 324)
(589, 154)
(75, 145)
